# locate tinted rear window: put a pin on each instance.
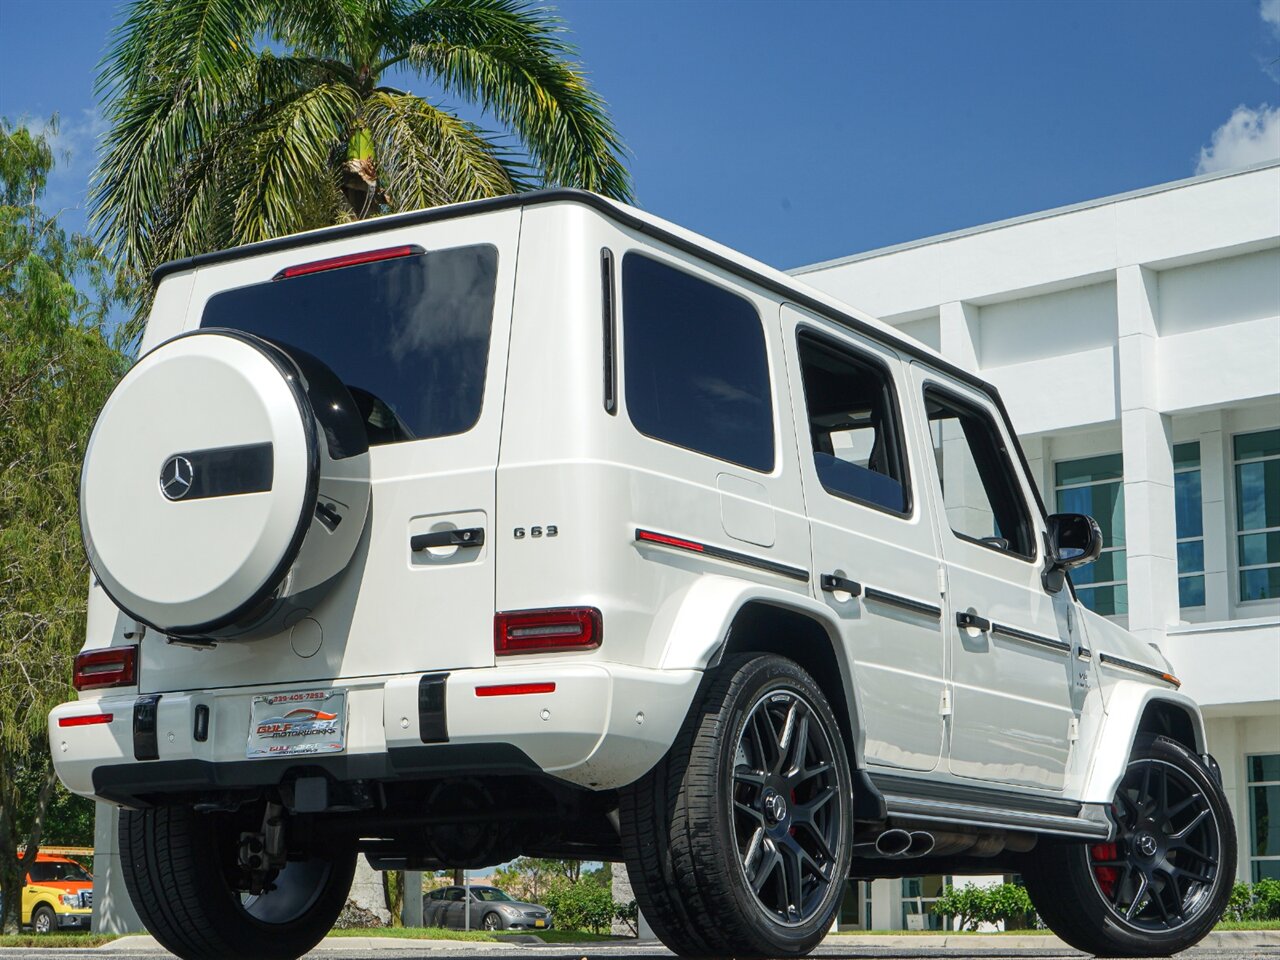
(409, 337)
(696, 369)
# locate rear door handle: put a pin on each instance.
(971, 621)
(470, 537)
(831, 583)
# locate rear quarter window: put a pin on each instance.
(696, 368)
(409, 337)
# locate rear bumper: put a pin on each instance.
(604, 725)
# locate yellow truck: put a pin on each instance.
(58, 895)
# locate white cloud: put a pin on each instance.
(1249, 136)
(1269, 10)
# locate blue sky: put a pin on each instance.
(799, 132)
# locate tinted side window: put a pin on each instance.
(979, 489)
(409, 337)
(854, 425)
(696, 368)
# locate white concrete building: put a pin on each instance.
(1136, 341)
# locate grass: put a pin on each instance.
(1248, 925)
(28, 940)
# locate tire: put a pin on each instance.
(178, 869)
(491, 921)
(689, 843)
(43, 919)
(1163, 883)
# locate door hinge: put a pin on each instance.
(944, 708)
(1073, 729)
(942, 581)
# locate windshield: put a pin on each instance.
(490, 894)
(53, 871)
(408, 336)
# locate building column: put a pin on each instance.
(886, 904)
(112, 908)
(622, 893)
(1214, 468)
(411, 901)
(1150, 537)
(959, 334)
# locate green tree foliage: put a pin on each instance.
(56, 368)
(579, 898)
(530, 878)
(972, 905)
(240, 120)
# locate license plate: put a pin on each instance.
(297, 722)
(539, 923)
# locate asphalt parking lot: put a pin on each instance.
(893, 948)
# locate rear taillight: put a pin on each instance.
(546, 631)
(112, 667)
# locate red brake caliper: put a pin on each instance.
(1107, 876)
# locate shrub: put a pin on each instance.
(1258, 902)
(580, 906)
(972, 905)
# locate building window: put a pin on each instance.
(1264, 816)
(1189, 515)
(1095, 486)
(1257, 470)
(918, 897)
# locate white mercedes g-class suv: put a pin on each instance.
(542, 526)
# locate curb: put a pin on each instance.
(1217, 939)
(145, 943)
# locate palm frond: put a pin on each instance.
(512, 59)
(429, 157)
(290, 158)
(158, 149)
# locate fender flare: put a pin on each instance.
(1126, 702)
(697, 624)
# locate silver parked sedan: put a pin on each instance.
(491, 909)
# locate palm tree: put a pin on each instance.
(240, 120)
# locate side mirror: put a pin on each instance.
(1073, 539)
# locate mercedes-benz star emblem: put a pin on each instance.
(176, 477)
(1147, 845)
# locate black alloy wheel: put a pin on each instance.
(1162, 881)
(785, 822)
(739, 841)
(1160, 869)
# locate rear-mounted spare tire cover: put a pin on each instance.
(202, 477)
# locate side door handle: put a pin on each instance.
(831, 583)
(470, 537)
(971, 621)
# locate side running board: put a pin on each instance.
(907, 799)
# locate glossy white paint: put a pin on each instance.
(1127, 324)
(546, 455)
